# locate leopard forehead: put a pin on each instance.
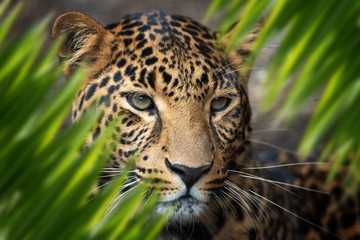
(170, 54)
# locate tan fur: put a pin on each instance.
(84, 37)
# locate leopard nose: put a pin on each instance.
(189, 175)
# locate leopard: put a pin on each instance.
(186, 116)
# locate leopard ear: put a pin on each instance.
(83, 37)
(239, 54)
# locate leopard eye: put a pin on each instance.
(219, 104)
(140, 102)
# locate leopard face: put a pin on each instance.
(184, 108)
(186, 117)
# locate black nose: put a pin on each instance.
(188, 175)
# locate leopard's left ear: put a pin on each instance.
(84, 37)
(238, 55)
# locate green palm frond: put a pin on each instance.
(46, 176)
(320, 47)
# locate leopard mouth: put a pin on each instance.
(185, 207)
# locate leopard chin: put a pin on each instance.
(185, 208)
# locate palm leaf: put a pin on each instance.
(46, 177)
(319, 49)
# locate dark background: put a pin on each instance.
(108, 11)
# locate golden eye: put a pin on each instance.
(140, 102)
(219, 103)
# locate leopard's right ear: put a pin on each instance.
(83, 39)
(238, 55)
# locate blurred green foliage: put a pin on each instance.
(320, 50)
(47, 176)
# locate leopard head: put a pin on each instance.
(184, 107)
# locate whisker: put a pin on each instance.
(272, 46)
(258, 204)
(109, 175)
(114, 168)
(98, 188)
(217, 71)
(180, 223)
(286, 165)
(118, 197)
(193, 227)
(229, 203)
(222, 68)
(251, 176)
(235, 195)
(240, 198)
(125, 51)
(241, 69)
(271, 145)
(111, 171)
(143, 201)
(291, 213)
(235, 188)
(114, 203)
(218, 200)
(103, 185)
(128, 183)
(273, 130)
(248, 214)
(262, 203)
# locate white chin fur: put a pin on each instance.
(185, 209)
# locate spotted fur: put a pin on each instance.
(202, 155)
